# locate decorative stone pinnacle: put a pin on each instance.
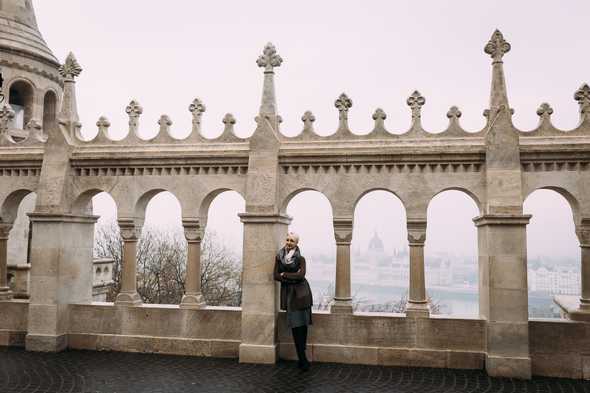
(497, 47)
(545, 110)
(197, 108)
(582, 95)
(134, 110)
(454, 113)
(308, 118)
(229, 119)
(416, 101)
(70, 69)
(269, 58)
(379, 114)
(6, 116)
(164, 122)
(343, 104)
(103, 124)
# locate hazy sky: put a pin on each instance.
(165, 54)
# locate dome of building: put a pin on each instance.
(19, 32)
(376, 244)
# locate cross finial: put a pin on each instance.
(343, 104)
(70, 69)
(308, 118)
(269, 58)
(454, 113)
(134, 110)
(103, 125)
(164, 122)
(416, 101)
(582, 95)
(497, 47)
(197, 108)
(544, 110)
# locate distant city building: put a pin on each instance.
(555, 281)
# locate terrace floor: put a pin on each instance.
(92, 372)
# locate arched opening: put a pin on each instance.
(451, 255)
(379, 254)
(553, 253)
(107, 245)
(21, 99)
(313, 222)
(19, 245)
(49, 110)
(221, 251)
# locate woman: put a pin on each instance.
(296, 295)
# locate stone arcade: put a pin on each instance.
(41, 151)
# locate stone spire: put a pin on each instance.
(497, 47)
(68, 115)
(20, 33)
(269, 60)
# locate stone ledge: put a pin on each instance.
(571, 308)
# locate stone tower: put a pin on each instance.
(32, 85)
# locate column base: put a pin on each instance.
(128, 299)
(340, 306)
(193, 301)
(417, 310)
(573, 308)
(6, 293)
(261, 354)
(508, 367)
(46, 343)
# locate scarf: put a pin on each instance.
(289, 257)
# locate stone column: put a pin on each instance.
(583, 233)
(193, 298)
(417, 306)
(263, 236)
(61, 274)
(342, 303)
(5, 292)
(130, 232)
(503, 293)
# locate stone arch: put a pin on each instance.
(83, 202)
(10, 205)
(21, 98)
(474, 197)
(209, 198)
(285, 203)
(573, 202)
(141, 204)
(49, 109)
(365, 192)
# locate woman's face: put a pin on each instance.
(290, 243)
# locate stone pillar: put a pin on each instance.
(130, 232)
(61, 274)
(342, 303)
(193, 298)
(417, 303)
(5, 292)
(503, 293)
(583, 233)
(263, 236)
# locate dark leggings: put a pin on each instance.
(300, 339)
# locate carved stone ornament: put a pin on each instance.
(379, 114)
(197, 108)
(129, 231)
(70, 69)
(193, 233)
(497, 47)
(343, 231)
(269, 58)
(544, 110)
(582, 95)
(343, 104)
(584, 236)
(308, 118)
(134, 110)
(416, 101)
(6, 116)
(454, 113)
(229, 119)
(165, 123)
(103, 124)
(416, 232)
(5, 231)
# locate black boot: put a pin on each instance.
(300, 338)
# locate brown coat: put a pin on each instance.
(294, 286)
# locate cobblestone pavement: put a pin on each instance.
(106, 372)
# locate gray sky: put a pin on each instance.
(165, 54)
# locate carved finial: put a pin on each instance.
(343, 104)
(6, 116)
(269, 58)
(134, 110)
(582, 95)
(197, 108)
(545, 110)
(70, 69)
(165, 123)
(454, 113)
(379, 114)
(103, 125)
(33, 126)
(416, 101)
(229, 119)
(497, 46)
(308, 118)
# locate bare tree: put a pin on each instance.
(161, 266)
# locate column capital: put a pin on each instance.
(5, 231)
(130, 229)
(583, 233)
(416, 231)
(502, 219)
(193, 232)
(343, 227)
(263, 218)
